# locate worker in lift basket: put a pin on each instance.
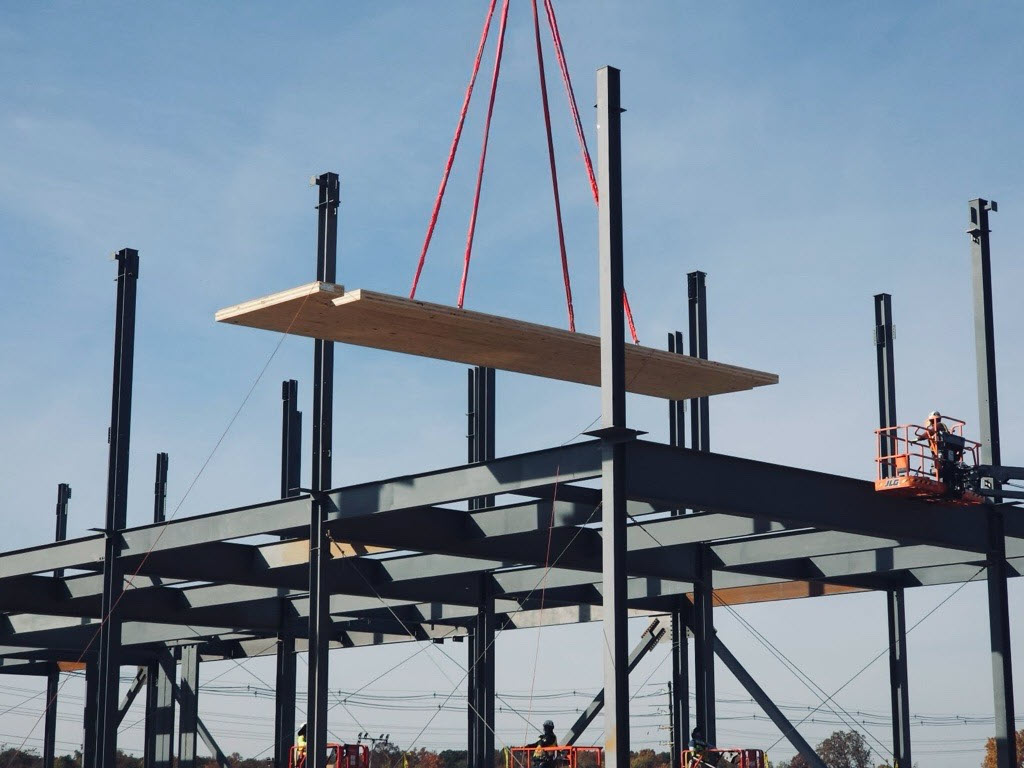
(701, 757)
(541, 758)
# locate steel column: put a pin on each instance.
(886, 374)
(613, 419)
(988, 421)
(898, 678)
(703, 646)
(284, 700)
(108, 671)
(160, 711)
(323, 420)
(680, 690)
(291, 439)
(291, 468)
(480, 681)
(188, 700)
(89, 715)
(160, 488)
(483, 646)
(698, 315)
(53, 674)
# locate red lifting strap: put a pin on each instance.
(454, 148)
(556, 38)
(554, 173)
(483, 154)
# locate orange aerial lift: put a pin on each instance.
(724, 758)
(569, 756)
(338, 756)
(933, 462)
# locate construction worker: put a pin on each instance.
(542, 758)
(701, 757)
(300, 745)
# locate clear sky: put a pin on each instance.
(804, 155)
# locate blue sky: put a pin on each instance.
(806, 156)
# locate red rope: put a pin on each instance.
(483, 154)
(556, 38)
(454, 148)
(554, 173)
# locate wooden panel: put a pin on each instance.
(783, 590)
(369, 319)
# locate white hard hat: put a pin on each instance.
(934, 415)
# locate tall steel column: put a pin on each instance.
(291, 469)
(323, 420)
(680, 684)
(159, 735)
(108, 664)
(988, 414)
(613, 419)
(89, 714)
(483, 701)
(898, 678)
(188, 699)
(704, 646)
(698, 315)
(160, 488)
(53, 675)
(886, 373)
(480, 681)
(680, 698)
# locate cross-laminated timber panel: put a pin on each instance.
(378, 320)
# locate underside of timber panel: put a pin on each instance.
(365, 318)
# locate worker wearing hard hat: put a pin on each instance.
(933, 431)
(541, 758)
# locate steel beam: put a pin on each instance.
(781, 722)
(188, 700)
(137, 685)
(898, 679)
(160, 488)
(108, 659)
(613, 418)
(323, 424)
(663, 475)
(988, 422)
(885, 363)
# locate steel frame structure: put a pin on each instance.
(459, 552)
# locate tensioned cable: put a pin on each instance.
(885, 650)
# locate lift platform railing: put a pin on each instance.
(910, 450)
(554, 757)
(724, 758)
(338, 755)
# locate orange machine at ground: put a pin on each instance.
(338, 755)
(934, 462)
(730, 757)
(554, 757)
